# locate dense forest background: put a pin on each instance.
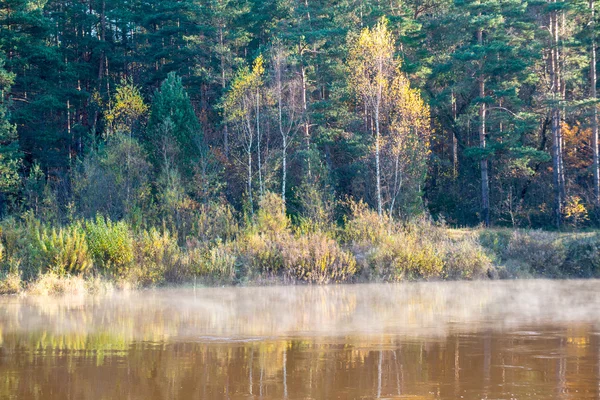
(470, 111)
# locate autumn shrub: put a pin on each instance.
(52, 284)
(496, 241)
(465, 259)
(216, 264)
(417, 249)
(215, 222)
(582, 257)
(158, 258)
(261, 253)
(541, 253)
(60, 250)
(110, 243)
(365, 226)
(10, 282)
(400, 257)
(270, 218)
(316, 258)
(18, 240)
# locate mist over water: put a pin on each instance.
(435, 340)
(419, 309)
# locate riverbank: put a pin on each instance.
(99, 255)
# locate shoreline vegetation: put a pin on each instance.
(261, 142)
(98, 255)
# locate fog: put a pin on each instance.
(255, 313)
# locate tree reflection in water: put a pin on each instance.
(433, 340)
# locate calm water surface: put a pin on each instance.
(471, 340)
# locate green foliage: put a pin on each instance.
(172, 119)
(62, 251)
(126, 108)
(10, 283)
(10, 154)
(113, 181)
(157, 258)
(316, 258)
(271, 218)
(216, 264)
(110, 244)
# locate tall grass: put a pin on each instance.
(97, 255)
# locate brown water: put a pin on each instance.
(471, 340)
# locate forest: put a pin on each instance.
(213, 123)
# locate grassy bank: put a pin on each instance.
(101, 255)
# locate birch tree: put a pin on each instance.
(406, 148)
(242, 107)
(372, 67)
(288, 95)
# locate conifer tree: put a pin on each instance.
(10, 155)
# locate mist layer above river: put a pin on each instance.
(534, 339)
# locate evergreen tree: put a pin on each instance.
(10, 155)
(173, 127)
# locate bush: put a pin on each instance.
(271, 218)
(583, 257)
(316, 258)
(53, 284)
(538, 251)
(10, 283)
(465, 259)
(216, 223)
(217, 263)
(110, 243)
(421, 250)
(365, 226)
(261, 253)
(401, 257)
(157, 258)
(61, 251)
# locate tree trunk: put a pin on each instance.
(454, 139)
(306, 121)
(593, 95)
(223, 86)
(250, 182)
(283, 134)
(485, 185)
(557, 164)
(258, 140)
(377, 162)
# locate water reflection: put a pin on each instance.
(440, 341)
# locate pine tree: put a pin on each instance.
(173, 124)
(10, 155)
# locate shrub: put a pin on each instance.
(10, 283)
(540, 252)
(496, 240)
(110, 243)
(54, 284)
(465, 259)
(61, 251)
(157, 258)
(583, 257)
(364, 225)
(402, 257)
(262, 253)
(271, 218)
(217, 263)
(216, 222)
(316, 258)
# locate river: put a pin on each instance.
(531, 339)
